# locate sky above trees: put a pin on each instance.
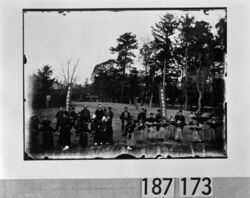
(51, 38)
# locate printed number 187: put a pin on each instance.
(157, 187)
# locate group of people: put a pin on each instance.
(154, 127)
(100, 125)
(68, 122)
(158, 127)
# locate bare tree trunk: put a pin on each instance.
(69, 79)
(199, 97)
(186, 99)
(185, 82)
(122, 90)
(146, 87)
(68, 98)
(152, 93)
(200, 88)
(151, 99)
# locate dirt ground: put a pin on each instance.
(143, 149)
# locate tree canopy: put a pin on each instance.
(44, 81)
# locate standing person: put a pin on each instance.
(141, 116)
(179, 117)
(98, 133)
(59, 117)
(48, 98)
(141, 131)
(110, 116)
(104, 111)
(104, 134)
(125, 118)
(93, 125)
(79, 126)
(82, 130)
(130, 134)
(34, 123)
(99, 113)
(172, 127)
(85, 114)
(180, 123)
(151, 123)
(145, 112)
(65, 128)
(158, 116)
(110, 113)
(151, 120)
(47, 134)
(73, 116)
(33, 131)
(136, 103)
(158, 119)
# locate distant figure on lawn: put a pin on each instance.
(99, 113)
(85, 115)
(125, 118)
(136, 103)
(47, 134)
(48, 98)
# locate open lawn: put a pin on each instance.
(143, 149)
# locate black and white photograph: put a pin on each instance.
(124, 83)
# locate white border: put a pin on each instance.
(12, 165)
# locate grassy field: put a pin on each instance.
(148, 148)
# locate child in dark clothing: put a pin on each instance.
(65, 129)
(82, 130)
(98, 138)
(47, 134)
